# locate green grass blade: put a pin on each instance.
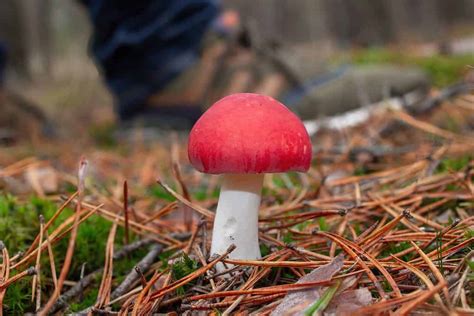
(323, 301)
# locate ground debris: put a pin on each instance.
(296, 302)
(381, 224)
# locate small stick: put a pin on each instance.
(422, 277)
(203, 262)
(58, 234)
(51, 220)
(165, 290)
(142, 277)
(133, 276)
(162, 211)
(125, 210)
(126, 295)
(441, 234)
(429, 128)
(36, 284)
(27, 272)
(233, 306)
(262, 291)
(75, 291)
(18, 255)
(85, 281)
(406, 308)
(4, 272)
(187, 213)
(131, 248)
(103, 296)
(196, 229)
(378, 233)
(434, 270)
(208, 214)
(72, 241)
(457, 293)
(213, 276)
(50, 255)
(145, 290)
(157, 303)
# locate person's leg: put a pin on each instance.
(155, 58)
(141, 45)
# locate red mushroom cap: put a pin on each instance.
(249, 133)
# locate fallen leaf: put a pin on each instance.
(347, 302)
(295, 302)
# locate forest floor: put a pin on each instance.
(382, 222)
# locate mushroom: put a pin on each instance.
(243, 136)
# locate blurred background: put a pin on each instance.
(49, 64)
(56, 107)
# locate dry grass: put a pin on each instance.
(397, 206)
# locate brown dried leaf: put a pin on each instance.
(296, 302)
(349, 301)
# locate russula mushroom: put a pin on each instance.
(243, 136)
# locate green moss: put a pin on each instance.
(470, 276)
(17, 300)
(360, 171)
(264, 250)
(164, 258)
(302, 226)
(395, 248)
(202, 194)
(323, 226)
(453, 164)
(88, 299)
(443, 70)
(19, 225)
(288, 238)
(181, 268)
(278, 182)
(158, 192)
(469, 233)
(357, 228)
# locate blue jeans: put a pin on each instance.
(141, 45)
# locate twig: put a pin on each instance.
(433, 269)
(192, 276)
(133, 276)
(406, 308)
(82, 284)
(427, 127)
(72, 242)
(50, 256)
(187, 214)
(103, 296)
(125, 210)
(208, 214)
(36, 284)
(4, 272)
(76, 290)
(52, 219)
(28, 272)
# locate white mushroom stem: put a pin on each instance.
(236, 220)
